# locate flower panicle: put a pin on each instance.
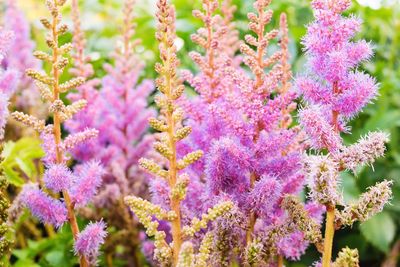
(369, 204)
(78, 187)
(364, 152)
(301, 219)
(212, 213)
(170, 124)
(187, 256)
(6, 242)
(347, 257)
(82, 66)
(284, 45)
(255, 59)
(323, 180)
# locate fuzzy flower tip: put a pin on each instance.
(324, 180)
(226, 167)
(364, 152)
(42, 206)
(88, 180)
(58, 177)
(369, 204)
(265, 195)
(90, 239)
(321, 133)
(292, 246)
(347, 257)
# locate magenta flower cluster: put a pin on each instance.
(227, 163)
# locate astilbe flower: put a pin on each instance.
(120, 111)
(86, 91)
(172, 132)
(8, 78)
(335, 92)
(89, 241)
(20, 58)
(254, 150)
(79, 186)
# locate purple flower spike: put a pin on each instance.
(88, 180)
(89, 241)
(58, 177)
(44, 207)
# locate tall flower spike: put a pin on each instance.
(20, 58)
(212, 38)
(364, 152)
(89, 241)
(8, 79)
(120, 111)
(170, 123)
(337, 91)
(57, 176)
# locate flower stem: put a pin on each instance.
(329, 233)
(280, 261)
(57, 134)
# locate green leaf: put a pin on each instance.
(349, 187)
(19, 159)
(379, 231)
(55, 258)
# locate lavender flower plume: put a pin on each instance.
(88, 180)
(364, 152)
(8, 79)
(321, 133)
(20, 58)
(292, 246)
(227, 166)
(336, 91)
(89, 241)
(44, 207)
(266, 192)
(58, 177)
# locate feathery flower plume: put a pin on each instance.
(119, 110)
(57, 176)
(170, 124)
(89, 241)
(336, 91)
(369, 204)
(20, 58)
(44, 207)
(8, 79)
(248, 124)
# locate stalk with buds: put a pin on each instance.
(78, 187)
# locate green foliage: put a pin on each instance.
(380, 231)
(47, 252)
(20, 160)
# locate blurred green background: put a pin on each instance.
(375, 239)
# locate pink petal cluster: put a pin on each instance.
(89, 241)
(88, 178)
(8, 78)
(333, 82)
(20, 57)
(44, 207)
(58, 177)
